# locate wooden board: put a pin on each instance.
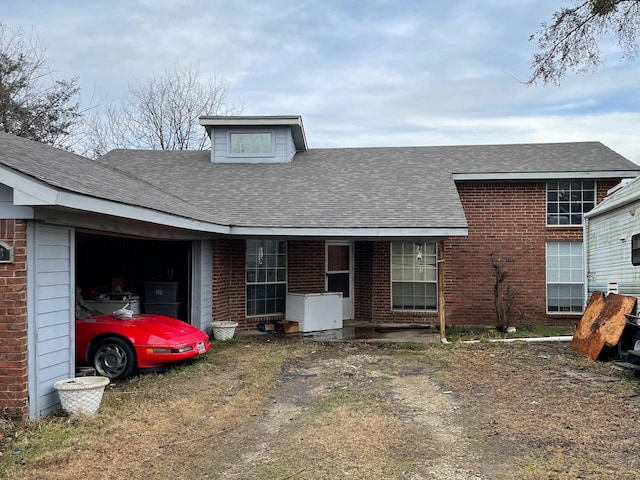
(602, 323)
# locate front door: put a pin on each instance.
(339, 278)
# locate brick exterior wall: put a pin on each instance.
(509, 220)
(13, 322)
(229, 285)
(305, 266)
(506, 219)
(381, 309)
(363, 281)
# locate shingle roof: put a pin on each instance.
(342, 188)
(318, 189)
(389, 187)
(74, 173)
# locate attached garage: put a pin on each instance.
(102, 235)
(113, 270)
(61, 258)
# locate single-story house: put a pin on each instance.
(406, 234)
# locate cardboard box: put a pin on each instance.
(266, 327)
(287, 327)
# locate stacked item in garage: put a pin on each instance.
(161, 298)
(110, 302)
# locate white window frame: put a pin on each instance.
(570, 192)
(414, 268)
(279, 274)
(555, 263)
(635, 249)
(271, 153)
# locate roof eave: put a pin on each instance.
(292, 121)
(595, 174)
(359, 233)
(30, 192)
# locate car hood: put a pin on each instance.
(149, 328)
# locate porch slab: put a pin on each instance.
(366, 331)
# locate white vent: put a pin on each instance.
(612, 287)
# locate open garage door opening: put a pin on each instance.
(153, 276)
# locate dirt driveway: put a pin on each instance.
(292, 410)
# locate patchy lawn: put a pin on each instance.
(287, 409)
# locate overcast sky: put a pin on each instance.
(360, 73)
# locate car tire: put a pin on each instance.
(114, 357)
(630, 340)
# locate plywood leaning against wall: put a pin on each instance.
(602, 323)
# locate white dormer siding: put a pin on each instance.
(281, 149)
(254, 139)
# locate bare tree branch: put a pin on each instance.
(32, 103)
(162, 114)
(571, 40)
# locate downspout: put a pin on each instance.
(441, 299)
(585, 263)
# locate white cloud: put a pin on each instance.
(360, 73)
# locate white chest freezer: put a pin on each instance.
(315, 311)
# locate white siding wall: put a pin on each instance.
(284, 146)
(51, 314)
(8, 209)
(608, 251)
(202, 301)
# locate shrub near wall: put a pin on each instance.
(13, 322)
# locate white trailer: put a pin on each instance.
(612, 255)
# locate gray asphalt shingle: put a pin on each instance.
(389, 187)
(77, 174)
(385, 188)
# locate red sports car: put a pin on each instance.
(117, 347)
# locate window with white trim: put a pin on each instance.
(635, 249)
(414, 278)
(569, 200)
(266, 276)
(565, 277)
(251, 143)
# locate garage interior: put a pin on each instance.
(109, 267)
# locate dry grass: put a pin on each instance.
(293, 410)
(568, 416)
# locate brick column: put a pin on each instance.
(13, 322)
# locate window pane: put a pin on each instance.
(338, 257)
(414, 275)
(564, 277)
(567, 201)
(266, 275)
(338, 282)
(635, 249)
(251, 143)
(282, 275)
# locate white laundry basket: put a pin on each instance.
(81, 395)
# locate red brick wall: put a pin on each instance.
(13, 322)
(305, 273)
(221, 280)
(305, 266)
(363, 280)
(509, 220)
(382, 312)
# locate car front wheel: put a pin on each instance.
(115, 358)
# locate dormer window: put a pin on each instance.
(259, 144)
(274, 139)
